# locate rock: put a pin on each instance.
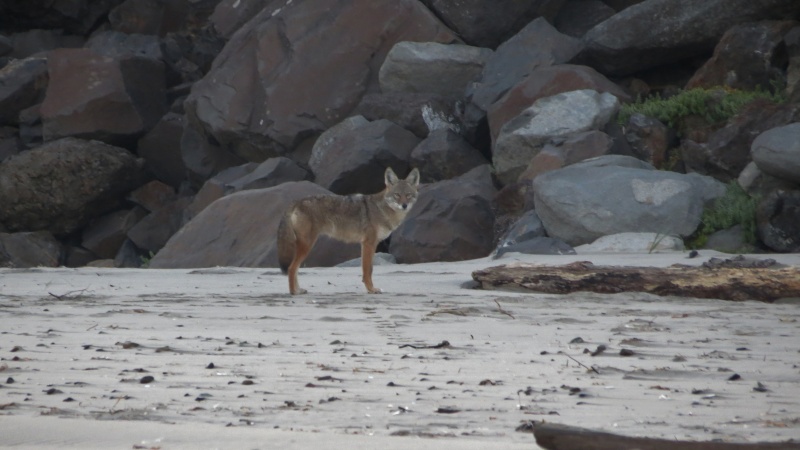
(352, 157)
(658, 32)
(189, 54)
(577, 17)
(576, 148)
(537, 45)
(154, 230)
(153, 196)
(239, 230)
(541, 245)
(114, 44)
(580, 204)
(105, 235)
(778, 220)
(758, 184)
(202, 155)
(615, 161)
(487, 24)
(727, 151)
(443, 155)
(38, 42)
(292, 72)
(10, 143)
(405, 109)
(97, 97)
(161, 150)
(29, 249)
(549, 118)
(451, 221)
(22, 84)
(731, 240)
(649, 139)
(792, 42)
(63, 184)
(747, 57)
(431, 67)
(527, 227)
(633, 243)
(777, 152)
(77, 256)
(380, 259)
(546, 82)
(271, 172)
(153, 17)
(230, 15)
(128, 256)
(75, 16)
(217, 187)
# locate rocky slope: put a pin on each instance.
(175, 132)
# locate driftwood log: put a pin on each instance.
(561, 437)
(719, 281)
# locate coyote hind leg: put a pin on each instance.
(301, 251)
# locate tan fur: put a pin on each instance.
(366, 219)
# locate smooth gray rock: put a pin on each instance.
(777, 152)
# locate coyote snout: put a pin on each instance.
(367, 219)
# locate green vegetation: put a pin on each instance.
(715, 105)
(736, 207)
(146, 259)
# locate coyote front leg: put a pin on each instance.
(368, 246)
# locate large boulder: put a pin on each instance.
(658, 32)
(577, 17)
(99, 97)
(777, 152)
(240, 230)
(558, 116)
(63, 184)
(29, 249)
(105, 235)
(76, 16)
(352, 156)
(444, 154)
(576, 148)
(545, 82)
(537, 45)
(579, 204)
(431, 67)
(161, 149)
(22, 85)
(487, 24)
(296, 69)
(451, 221)
(778, 221)
(749, 56)
(727, 151)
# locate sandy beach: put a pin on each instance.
(225, 358)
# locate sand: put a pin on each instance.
(225, 358)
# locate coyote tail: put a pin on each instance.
(286, 244)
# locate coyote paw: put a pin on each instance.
(299, 292)
(375, 291)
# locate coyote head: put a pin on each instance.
(401, 194)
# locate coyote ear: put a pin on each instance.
(390, 177)
(413, 177)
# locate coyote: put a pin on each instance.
(367, 219)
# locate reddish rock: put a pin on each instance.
(488, 24)
(102, 98)
(545, 82)
(161, 150)
(29, 249)
(240, 229)
(747, 57)
(104, 236)
(154, 230)
(589, 144)
(153, 195)
(294, 71)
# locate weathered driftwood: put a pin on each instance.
(726, 283)
(561, 437)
